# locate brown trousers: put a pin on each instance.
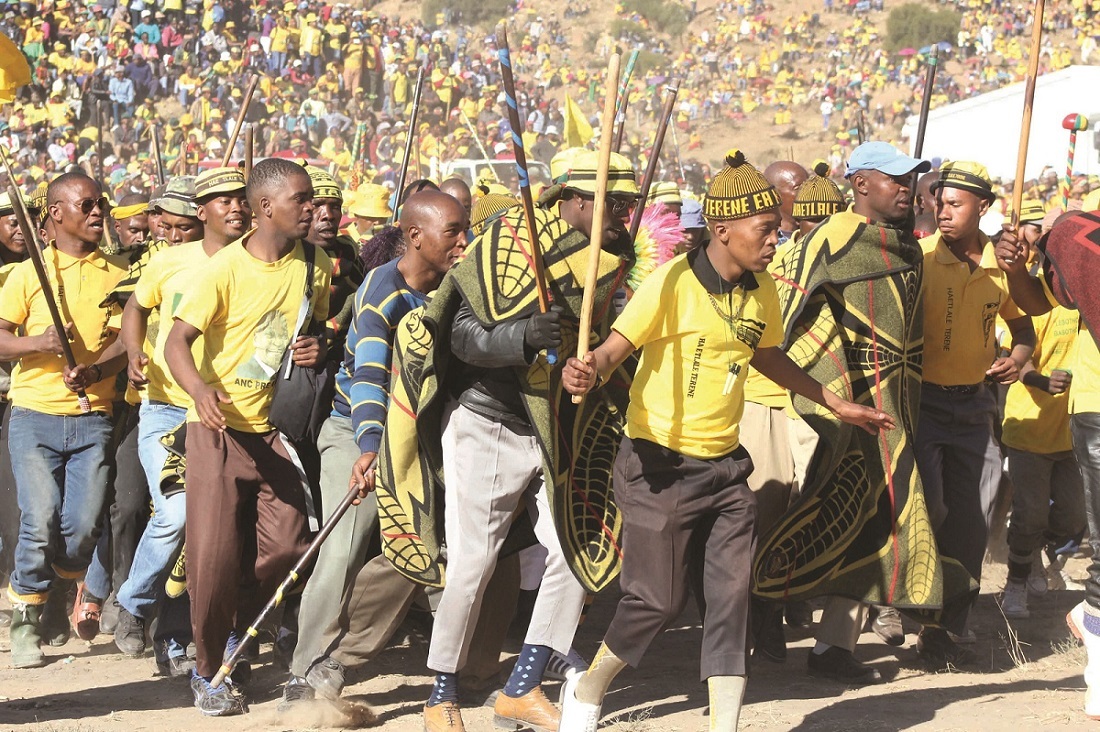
(686, 523)
(246, 527)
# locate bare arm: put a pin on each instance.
(177, 352)
(14, 347)
(1026, 289)
(580, 377)
(135, 323)
(1006, 369)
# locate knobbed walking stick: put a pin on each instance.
(1074, 123)
(285, 586)
(154, 144)
(38, 261)
(516, 125)
(599, 204)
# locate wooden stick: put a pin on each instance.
(99, 140)
(620, 127)
(514, 121)
(34, 249)
(249, 150)
(1029, 102)
(154, 144)
(480, 144)
(672, 90)
(926, 100)
(408, 142)
(595, 240)
(288, 582)
(240, 119)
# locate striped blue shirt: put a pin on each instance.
(362, 383)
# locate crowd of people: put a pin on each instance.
(801, 384)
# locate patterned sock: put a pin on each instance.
(1092, 619)
(445, 689)
(528, 671)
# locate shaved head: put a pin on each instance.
(434, 225)
(428, 204)
(925, 201)
(786, 176)
(457, 188)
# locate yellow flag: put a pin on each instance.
(14, 70)
(577, 130)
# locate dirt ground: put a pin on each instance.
(90, 687)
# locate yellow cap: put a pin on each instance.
(218, 180)
(324, 185)
(370, 201)
(966, 176)
(576, 168)
(738, 191)
(665, 192)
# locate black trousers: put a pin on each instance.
(687, 523)
(9, 503)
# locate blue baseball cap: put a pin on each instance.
(691, 215)
(886, 158)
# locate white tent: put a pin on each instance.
(986, 128)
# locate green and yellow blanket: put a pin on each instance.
(850, 294)
(578, 441)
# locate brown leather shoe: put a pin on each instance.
(530, 711)
(443, 717)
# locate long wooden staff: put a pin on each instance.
(595, 240)
(34, 249)
(154, 144)
(99, 140)
(408, 142)
(929, 84)
(249, 150)
(1029, 102)
(524, 177)
(240, 119)
(620, 127)
(288, 582)
(672, 90)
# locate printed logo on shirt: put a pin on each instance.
(750, 332)
(270, 341)
(696, 362)
(989, 316)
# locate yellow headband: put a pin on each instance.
(118, 213)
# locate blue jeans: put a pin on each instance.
(163, 536)
(61, 466)
(1086, 446)
(276, 62)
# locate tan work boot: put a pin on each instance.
(443, 717)
(530, 711)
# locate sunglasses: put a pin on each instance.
(87, 204)
(617, 206)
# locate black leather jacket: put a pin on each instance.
(485, 380)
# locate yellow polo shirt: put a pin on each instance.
(1084, 392)
(960, 308)
(246, 310)
(37, 379)
(1035, 420)
(165, 279)
(759, 389)
(689, 346)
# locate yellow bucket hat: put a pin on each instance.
(371, 201)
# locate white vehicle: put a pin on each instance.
(470, 170)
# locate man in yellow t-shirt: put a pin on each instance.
(1048, 500)
(59, 453)
(957, 452)
(680, 475)
(1069, 279)
(250, 306)
(223, 216)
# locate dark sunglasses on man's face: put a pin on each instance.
(87, 204)
(617, 206)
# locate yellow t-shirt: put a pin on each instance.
(36, 381)
(165, 279)
(759, 389)
(246, 310)
(1084, 392)
(1036, 421)
(688, 348)
(960, 308)
(279, 39)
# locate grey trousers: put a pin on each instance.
(960, 466)
(1048, 502)
(345, 549)
(489, 468)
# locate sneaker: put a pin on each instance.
(326, 677)
(176, 667)
(887, 626)
(530, 711)
(936, 648)
(297, 690)
(443, 717)
(242, 671)
(224, 701)
(1014, 602)
(839, 664)
(576, 716)
(1076, 622)
(1058, 580)
(86, 614)
(130, 634)
(558, 665)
